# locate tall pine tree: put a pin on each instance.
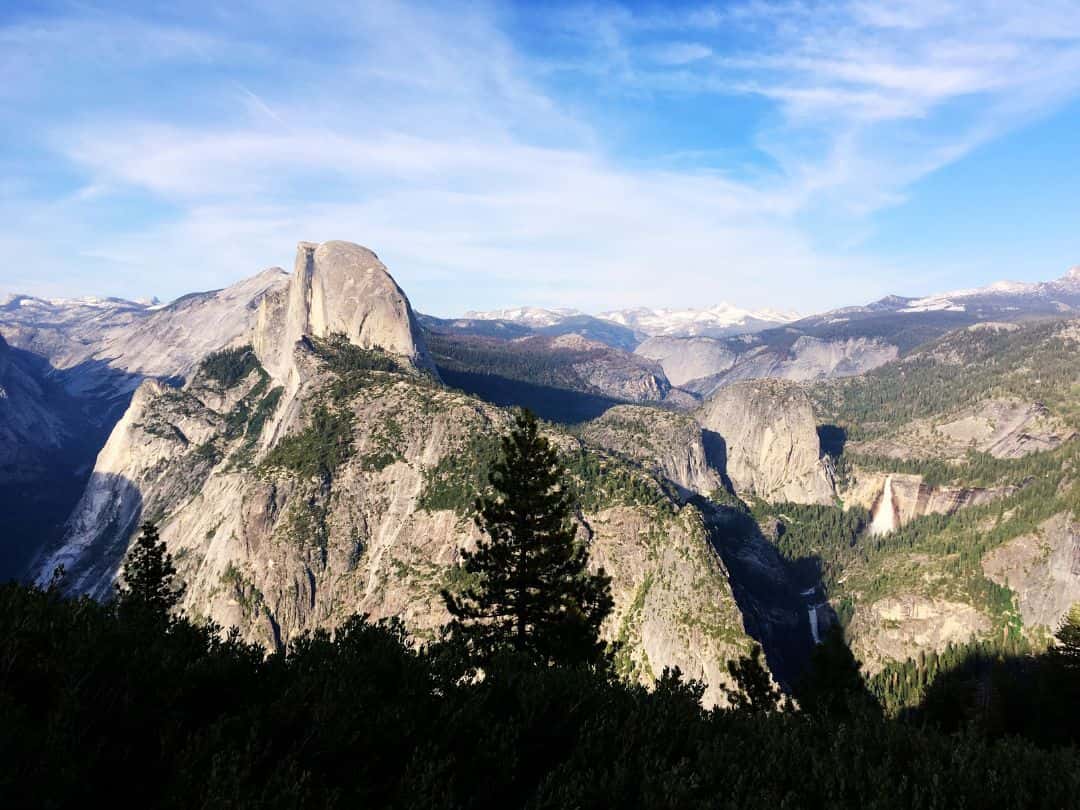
(149, 582)
(532, 592)
(1066, 652)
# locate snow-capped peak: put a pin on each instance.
(723, 317)
(530, 316)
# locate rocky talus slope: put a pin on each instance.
(298, 484)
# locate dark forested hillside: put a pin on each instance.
(107, 705)
(564, 379)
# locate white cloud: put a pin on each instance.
(428, 135)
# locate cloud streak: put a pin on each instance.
(472, 157)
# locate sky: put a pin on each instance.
(794, 155)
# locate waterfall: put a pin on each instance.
(884, 519)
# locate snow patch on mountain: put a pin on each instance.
(723, 317)
(537, 317)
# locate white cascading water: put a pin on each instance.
(884, 519)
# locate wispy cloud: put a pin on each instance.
(476, 162)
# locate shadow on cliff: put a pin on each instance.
(38, 495)
(95, 538)
(832, 439)
(783, 602)
(995, 692)
(716, 455)
(561, 405)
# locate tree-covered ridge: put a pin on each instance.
(973, 470)
(1038, 360)
(600, 479)
(935, 557)
(191, 717)
(531, 360)
(326, 441)
(229, 366)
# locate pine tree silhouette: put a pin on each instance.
(149, 582)
(532, 592)
(755, 692)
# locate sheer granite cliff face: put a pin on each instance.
(1043, 570)
(337, 288)
(275, 547)
(104, 349)
(770, 441)
(703, 364)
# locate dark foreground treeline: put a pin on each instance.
(102, 704)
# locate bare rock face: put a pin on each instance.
(337, 288)
(673, 601)
(895, 499)
(110, 344)
(703, 364)
(141, 470)
(687, 359)
(1042, 568)
(769, 437)
(28, 425)
(899, 627)
(671, 444)
(613, 372)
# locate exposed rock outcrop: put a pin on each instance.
(703, 364)
(277, 548)
(770, 441)
(899, 627)
(688, 359)
(105, 348)
(1042, 569)
(612, 372)
(30, 423)
(895, 499)
(671, 444)
(337, 288)
(1004, 428)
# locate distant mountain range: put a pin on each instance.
(725, 319)
(309, 447)
(718, 321)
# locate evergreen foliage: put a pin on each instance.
(532, 593)
(754, 692)
(319, 449)
(185, 716)
(230, 366)
(1066, 652)
(954, 372)
(352, 365)
(149, 582)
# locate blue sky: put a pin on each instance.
(796, 155)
